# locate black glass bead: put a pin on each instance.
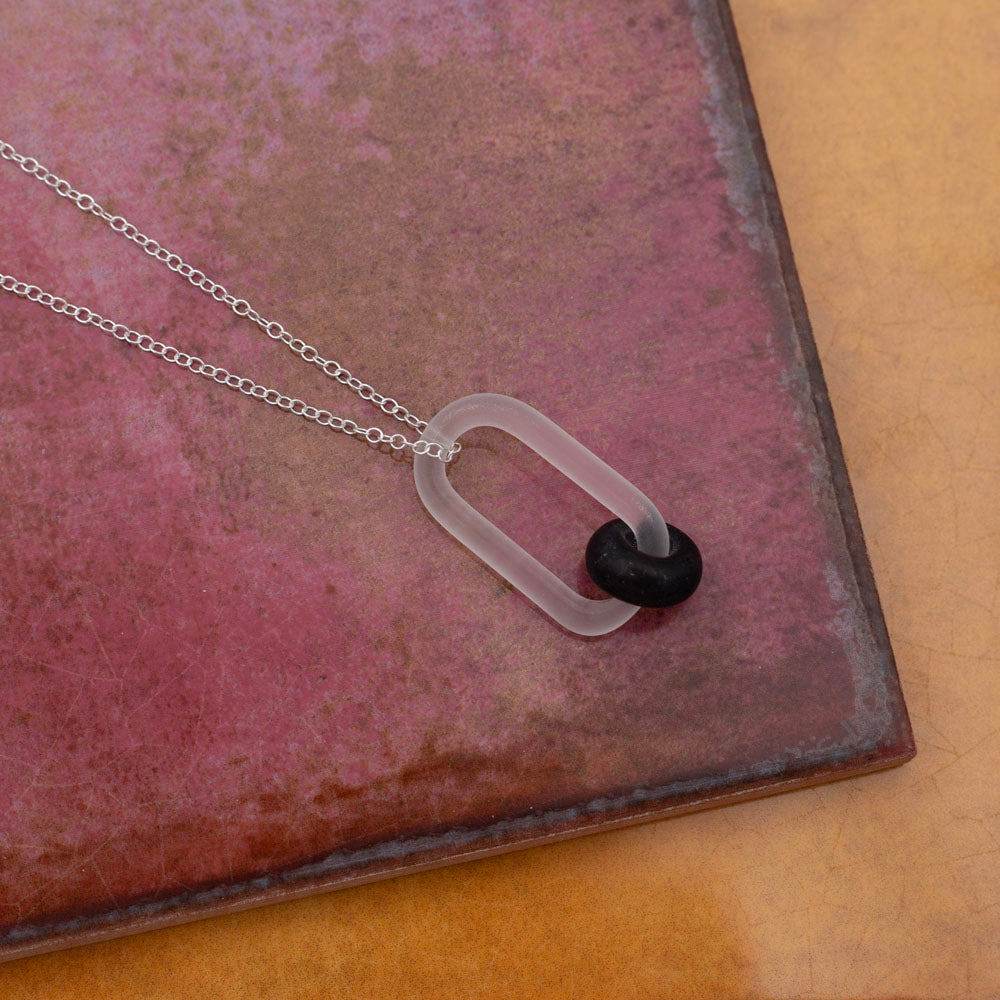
(617, 566)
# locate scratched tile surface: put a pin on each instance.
(238, 659)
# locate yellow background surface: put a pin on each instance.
(881, 120)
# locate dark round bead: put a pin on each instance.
(618, 567)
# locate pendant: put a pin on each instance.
(638, 559)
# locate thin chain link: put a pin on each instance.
(240, 307)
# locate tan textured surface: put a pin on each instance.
(881, 122)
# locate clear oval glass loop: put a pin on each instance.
(572, 610)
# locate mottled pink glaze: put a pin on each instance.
(234, 642)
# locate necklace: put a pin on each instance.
(638, 559)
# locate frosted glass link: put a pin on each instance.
(572, 610)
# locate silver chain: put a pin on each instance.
(336, 371)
